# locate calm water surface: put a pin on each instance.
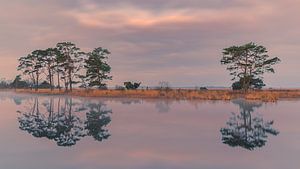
(85, 133)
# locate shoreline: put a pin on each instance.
(176, 94)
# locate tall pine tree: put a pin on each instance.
(71, 59)
(97, 68)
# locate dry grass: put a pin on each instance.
(272, 95)
(180, 94)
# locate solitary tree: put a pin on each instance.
(71, 61)
(248, 63)
(97, 68)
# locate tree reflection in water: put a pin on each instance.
(246, 131)
(96, 119)
(61, 121)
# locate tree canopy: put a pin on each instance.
(69, 64)
(248, 63)
(97, 68)
(71, 58)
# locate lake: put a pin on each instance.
(39, 131)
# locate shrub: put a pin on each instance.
(203, 88)
(132, 85)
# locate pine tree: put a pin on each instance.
(248, 63)
(71, 59)
(32, 65)
(49, 62)
(97, 68)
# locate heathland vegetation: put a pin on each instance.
(65, 67)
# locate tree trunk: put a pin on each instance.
(245, 76)
(66, 85)
(37, 82)
(33, 81)
(50, 78)
(70, 79)
(58, 81)
(16, 85)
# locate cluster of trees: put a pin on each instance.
(68, 65)
(247, 64)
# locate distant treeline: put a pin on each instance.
(21, 84)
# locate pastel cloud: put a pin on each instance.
(95, 16)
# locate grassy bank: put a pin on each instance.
(179, 94)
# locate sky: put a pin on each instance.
(179, 41)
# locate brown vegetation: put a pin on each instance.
(179, 94)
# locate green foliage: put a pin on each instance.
(249, 61)
(45, 85)
(132, 85)
(32, 65)
(70, 59)
(237, 86)
(97, 68)
(67, 62)
(203, 88)
(18, 83)
(4, 84)
(50, 64)
(253, 83)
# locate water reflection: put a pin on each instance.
(244, 129)
(63, 120)
(163, 106)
